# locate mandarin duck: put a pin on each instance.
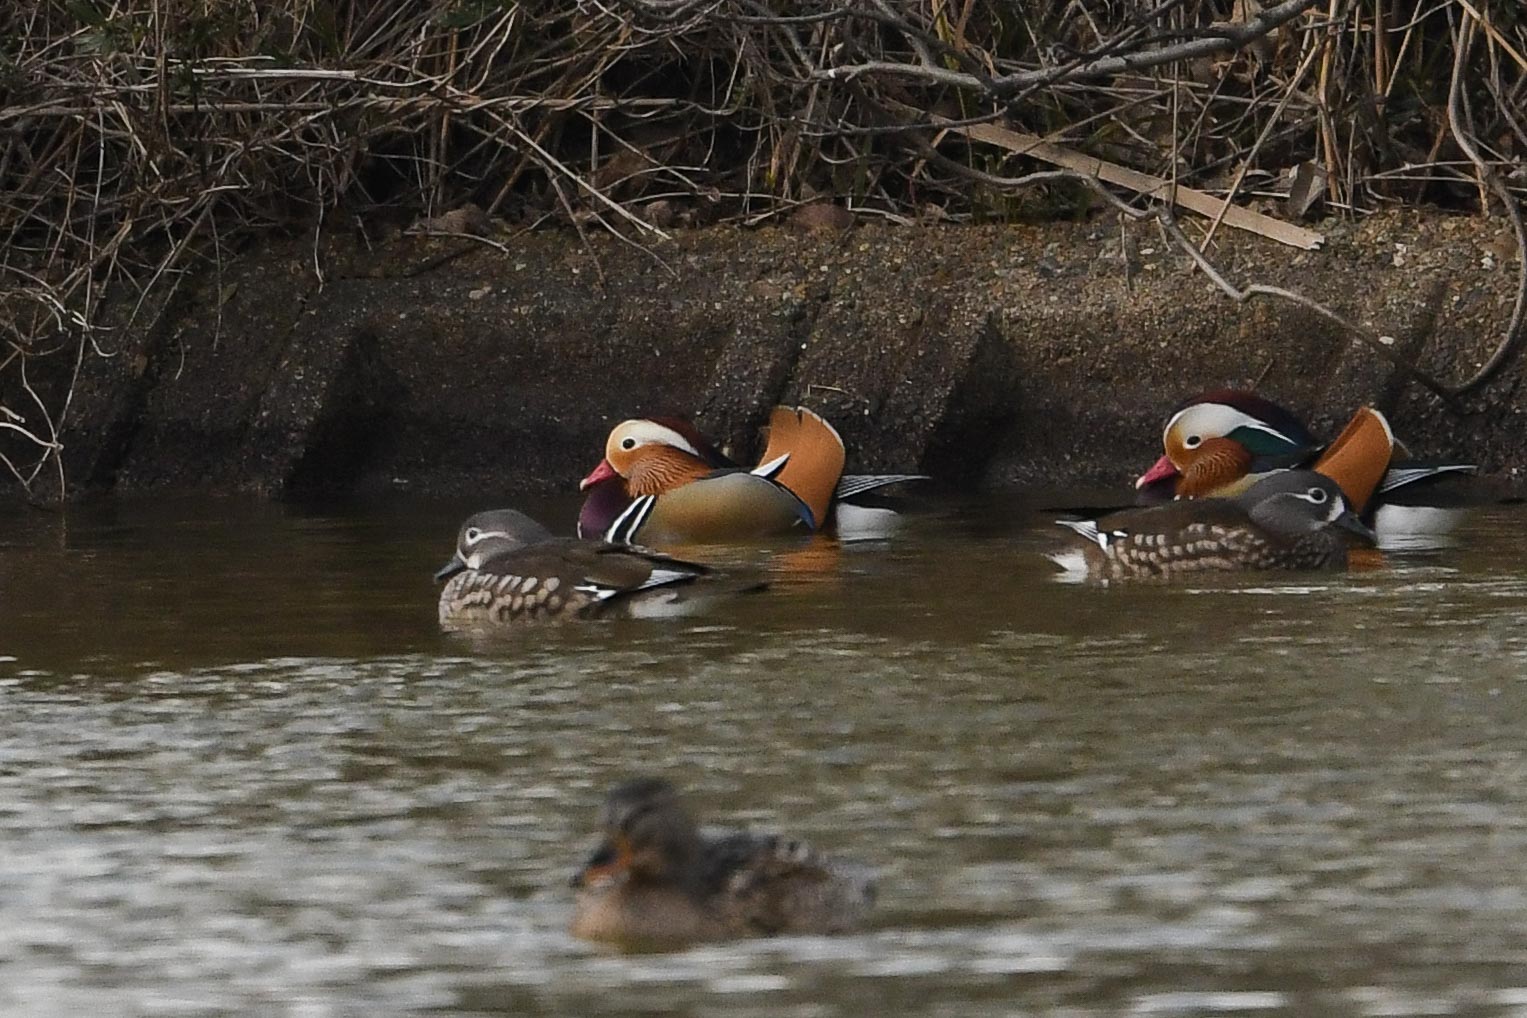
(1291, 519)
(662, 482)
(1221, 442)
(510, 571)
(656, 880)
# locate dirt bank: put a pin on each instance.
(993, 356)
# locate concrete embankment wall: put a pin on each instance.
(988, 356)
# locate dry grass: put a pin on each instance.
(145, 138)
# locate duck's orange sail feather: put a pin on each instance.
(815, 453)
(1359, 457)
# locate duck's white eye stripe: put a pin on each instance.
(642, 432)
(1216, 420)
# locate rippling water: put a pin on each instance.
(241, 773)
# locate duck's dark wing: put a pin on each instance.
(593, 574)
(1167, 519)
(1297, 459)
(769, 884)
(1160, 541)
(612, 571)
(850, 485)
(1414, 479)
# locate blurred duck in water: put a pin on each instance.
(656, 880)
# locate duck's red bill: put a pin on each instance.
(603, 472)
(1160, 470)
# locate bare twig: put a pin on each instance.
(1459, 122)
(1144, 183)
(1367, 336)
(1218, 39)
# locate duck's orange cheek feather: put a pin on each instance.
(654, 470)
(1216, 465)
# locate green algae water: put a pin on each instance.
(242, 773)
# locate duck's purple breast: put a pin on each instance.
(604, 502)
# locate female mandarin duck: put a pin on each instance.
(1221, 442)
(656, 880)
(661, 482)
(1292, 519)
(509, 570)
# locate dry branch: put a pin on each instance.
(1217, 38)
(1144, 184)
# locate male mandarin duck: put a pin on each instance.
(1292, 519)
(509, 571)
(656, 880)
(662, 482)
(1221, 442)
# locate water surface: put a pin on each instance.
(241, 773)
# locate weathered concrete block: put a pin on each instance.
(992, 356)
(207, 375)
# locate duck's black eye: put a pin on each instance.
(1192, 441)
(628, 443)
(1318, 496)
(473, 535)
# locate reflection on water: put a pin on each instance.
(240, 773)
